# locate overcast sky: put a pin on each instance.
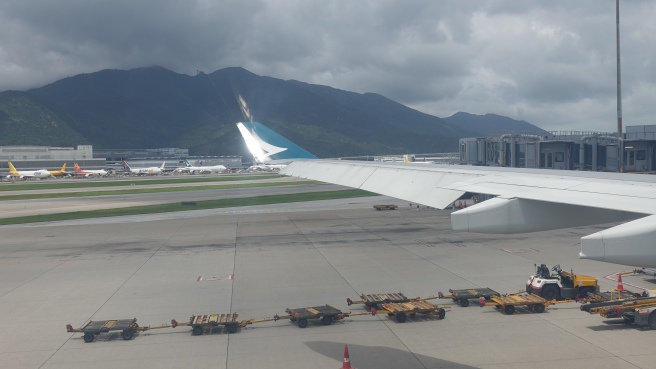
(551, 63)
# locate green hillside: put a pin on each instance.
(154, 107)
(24, 121)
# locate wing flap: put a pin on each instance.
(428, 188)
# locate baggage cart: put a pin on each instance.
(376, 299)
(401, 311)
(128, 328)
(509, 303)
(327, 314)
(227, 322)
(462, 297)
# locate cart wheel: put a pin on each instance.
(538, 308)
(464, 303)
(89, 337)
(231, 328)
(441, 313)
(127, 334)
(401, 317)
(327, 320)
(302, 322)
(197, 331)
(509, 309)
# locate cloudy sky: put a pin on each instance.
(551, 63)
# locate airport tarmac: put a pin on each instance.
(294, 255)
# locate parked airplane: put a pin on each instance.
(142, 171)
(526, 200)
(59, 172)
(26, 174)
(202, 168)
(270, 150)
(89, 172)
(406, 160)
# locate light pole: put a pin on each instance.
(620, 142)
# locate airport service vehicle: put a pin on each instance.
(462, 297)
(400, 311)
(641, 310)
(386, 207)
(128, 328)
(327, 314)
(200, 323)
(560, 285)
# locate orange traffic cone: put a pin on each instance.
(620, 286)
(347, 361)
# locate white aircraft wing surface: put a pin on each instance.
(527, 200)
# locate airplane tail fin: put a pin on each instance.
(63, 168)
(187, 163)
(126, 167)
(162, 166)
(12, 170)
(77, 167)
(267, 146)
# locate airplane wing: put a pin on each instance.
(527, 200)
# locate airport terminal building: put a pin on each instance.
(46, 157)
(589, 151)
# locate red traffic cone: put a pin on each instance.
(347, 361)
(620, 286)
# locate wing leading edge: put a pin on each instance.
(526, 200)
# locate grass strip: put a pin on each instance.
(132, 191)
(43, 185)
(200, 205)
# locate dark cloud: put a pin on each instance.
(551, 63)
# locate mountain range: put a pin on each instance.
(154, 107)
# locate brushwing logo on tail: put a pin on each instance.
(269, 149)
(261, 150)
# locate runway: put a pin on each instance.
(17, 208)
(294, 255)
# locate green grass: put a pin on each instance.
(200, 205)
(32, 196)
(48, 185)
